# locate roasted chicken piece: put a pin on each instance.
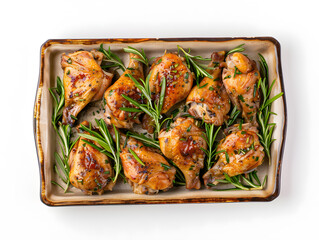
(240, 152)
(183, 144)
(149, 175)
(209, 101)
(84, 81)
(114, 99)
(179, 79)
(90, 170)
(240, 79)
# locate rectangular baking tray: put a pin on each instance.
(45, 137)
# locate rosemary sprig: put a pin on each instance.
(112, 58)
(179, 176)
(266, 128)
(143, 59)
(210, 137)
(145, 140)
(65, 144)
(239, 48)
(242, 182)
(233, 116)
(105, 140)
(59, 101)
(153, 109)
(136, 157)
(194, 66)
(62, 167)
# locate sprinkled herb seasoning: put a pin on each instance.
(241, 98)
(186, 76)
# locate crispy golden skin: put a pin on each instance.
(209, 101)
(240, 79)
(152, 177)
(84, 81)
(155, 175)
(115, 101)
(244, 153)
(179, 79)
(90, 170)
(182, 144)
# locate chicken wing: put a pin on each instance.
(90, 170)
(183, 144)
(240, 79)
(239, 152)
(84, 81)
(179, 79)
(209, 101)
(114, 100)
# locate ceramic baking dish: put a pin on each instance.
(45, 136)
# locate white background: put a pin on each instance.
(25, 25)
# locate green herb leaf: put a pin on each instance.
(239, 48)
(264, 112)
(141, 54)
(166, 167)
(110, 57)
(136, 157)
(196, 67)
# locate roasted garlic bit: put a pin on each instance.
(183, 144)
(114, 100)
(90, 170)
(240, 77)
(84, 81)
(239, 153)
(179, 79)
(209, 101)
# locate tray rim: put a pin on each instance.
(91, 41)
